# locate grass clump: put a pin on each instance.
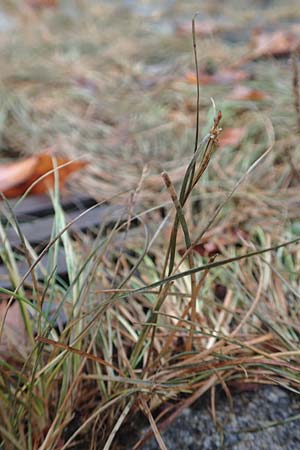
(146, 325)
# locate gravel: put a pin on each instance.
(194, 429)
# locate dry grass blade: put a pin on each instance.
(71, 349)
(155, 430)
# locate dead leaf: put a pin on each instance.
(17, 177)
(87, 84)
(14, 340)
(222, 77)
(278, 43)
(16, 173)
(42, 3)
(203, 28)
(247, 93)
(232, 137)
(208, 248)
(216, 244)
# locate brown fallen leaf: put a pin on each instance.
(17, 177)
(209, 248)
(203, 28)
(216, 244)
(247, 93)
(278, 43)
(16, 173)
(232, 137)
(42, 3)
(87, 84)
(14, 340)
(222, 77)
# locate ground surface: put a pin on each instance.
(194, 430)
